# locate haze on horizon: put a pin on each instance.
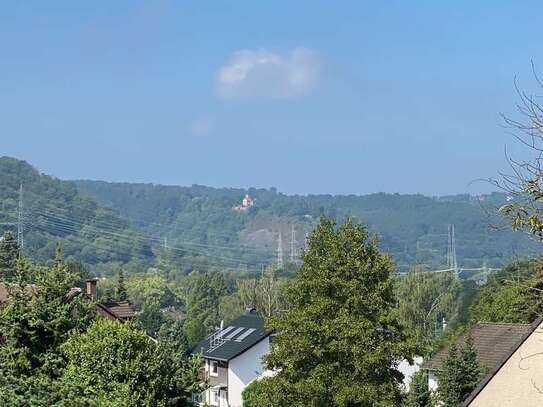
(355, 98)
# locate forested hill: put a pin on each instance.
(54, 211)
(413, 228)
(181, 229)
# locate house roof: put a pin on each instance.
(237, 337)
(505, 357)
(115, 309)
(119, 309)
(492, 341)
(5, 292)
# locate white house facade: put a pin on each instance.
(233, 358)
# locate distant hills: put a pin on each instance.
(195, 228)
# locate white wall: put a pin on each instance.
(432, 380)
(243, 369)
(409, 370)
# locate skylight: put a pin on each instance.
(245, 334)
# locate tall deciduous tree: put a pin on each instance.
(424, 299)
(203, 301)
(339, 342)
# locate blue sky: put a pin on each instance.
(307, 96)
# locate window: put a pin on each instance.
(215, 396)
(214, 368)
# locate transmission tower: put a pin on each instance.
(20, 219)
(279, 251)
(452, 261)
(292, 245)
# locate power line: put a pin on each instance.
(71, 226)
(126, 252)
(112, 225)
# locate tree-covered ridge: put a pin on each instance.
(413, 228)
(183, 229)
(54, 211)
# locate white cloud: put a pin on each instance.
(201, 127)
(261, 73)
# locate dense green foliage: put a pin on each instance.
(512, 294)
(460, 375)
(179, 230)
(419, 394)
(55, 211)
(341, 305)
(425, 301)
(120, 364)
(56, 351)
(411, 227)
(203, 317)
(9, 252)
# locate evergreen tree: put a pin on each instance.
(339, 342)
(120, 291)
(460, 375)
(419, 394)
(9, 252)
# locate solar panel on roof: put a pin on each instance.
(225, 331)
(245, 334)
(232, 334)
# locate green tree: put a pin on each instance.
(265, 293)
(9, 252)
(424, 299)
(37, 319)
(203, 300)
(513, 294)
(113, 359)
(339, 342)
(120, 291)
(460, 374)
(419, 394)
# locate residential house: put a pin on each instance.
(233, 358)
(111, 309)
(512, 355)
(517, 378)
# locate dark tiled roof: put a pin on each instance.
(491, 341)
(119, 309)
(231, 348)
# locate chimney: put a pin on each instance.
(90, 288)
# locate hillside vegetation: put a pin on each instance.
(183, 229)
(413, 228)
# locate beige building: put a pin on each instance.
(517, 381)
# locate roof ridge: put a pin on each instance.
(503, 323)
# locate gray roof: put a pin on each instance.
(239, 335)
(491, 342)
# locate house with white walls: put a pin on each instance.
(233, 358)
